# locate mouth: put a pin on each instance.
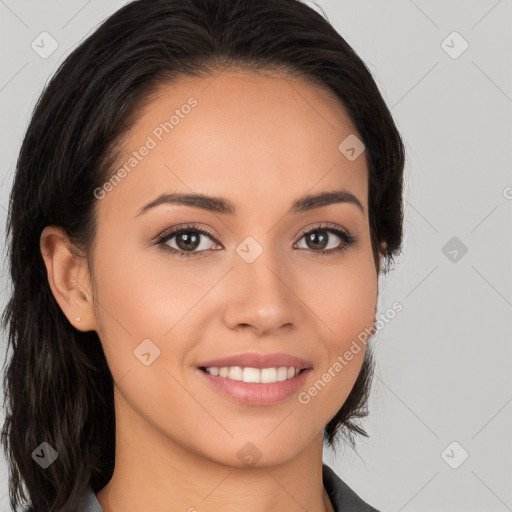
(248, 374)
(255, 386)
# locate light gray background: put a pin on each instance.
(443, 363)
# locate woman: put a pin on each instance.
(203, 202)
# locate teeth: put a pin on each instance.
(264, 376)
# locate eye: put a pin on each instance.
(319, 238)
(188, 240)
(191, 240)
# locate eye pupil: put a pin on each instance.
(318, 238)
(190, 238)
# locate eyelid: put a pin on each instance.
(325, 226)
(184, 227)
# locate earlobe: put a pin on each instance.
(68, 277)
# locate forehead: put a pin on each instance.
(238, 134)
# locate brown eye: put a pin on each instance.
(189, 241)
(322, 241)
(317, 239)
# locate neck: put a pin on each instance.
(154, 472)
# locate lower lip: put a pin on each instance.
(253, 393)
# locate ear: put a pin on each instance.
(382, 253)
(68, 277)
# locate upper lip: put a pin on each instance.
(255, 360)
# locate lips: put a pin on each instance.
(256, 394)
(255, 360)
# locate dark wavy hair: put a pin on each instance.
(58, 385)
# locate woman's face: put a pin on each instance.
(257, 283)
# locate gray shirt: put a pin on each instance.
(342, 497)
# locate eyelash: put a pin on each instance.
(347, 238)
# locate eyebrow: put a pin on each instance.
(225, 206)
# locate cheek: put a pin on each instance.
(342, 297)
(139, 300)
(148, 290)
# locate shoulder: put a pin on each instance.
(343, 497)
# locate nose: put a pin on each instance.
(261, 296)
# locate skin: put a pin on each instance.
(261, 142)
